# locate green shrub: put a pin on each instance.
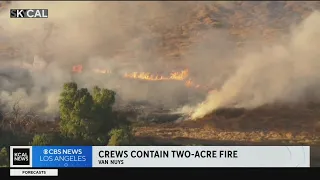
(41, 140)
(4, 157)
(120, 136)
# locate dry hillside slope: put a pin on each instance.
(262, 21)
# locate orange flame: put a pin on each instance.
(179, 76)
(144, 76)
(175, 76)
(190, 83)
(77, 68)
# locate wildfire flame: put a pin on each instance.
(77, 68)
(179, 76)
(174, 76)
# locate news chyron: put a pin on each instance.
(29, 13)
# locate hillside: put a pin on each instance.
(244, 20)
(159, 56)
(270, 124)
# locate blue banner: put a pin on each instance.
(61, 156)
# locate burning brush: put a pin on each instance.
(147, 76)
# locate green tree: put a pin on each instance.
(85, 116)
(103, 117)
(121, 136)
(41, 140)
(4, 157)
(75, 109)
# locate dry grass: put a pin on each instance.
(267, 125)
(212, 134)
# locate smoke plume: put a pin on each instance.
(125, 37)
(284, 72)
(120, 37)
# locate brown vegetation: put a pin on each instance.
(269, 125)
(244, 20)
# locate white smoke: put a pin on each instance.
(125, 36)
(285, 72)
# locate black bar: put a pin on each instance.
(168, 173)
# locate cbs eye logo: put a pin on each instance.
(51, 151)
(45, 151)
